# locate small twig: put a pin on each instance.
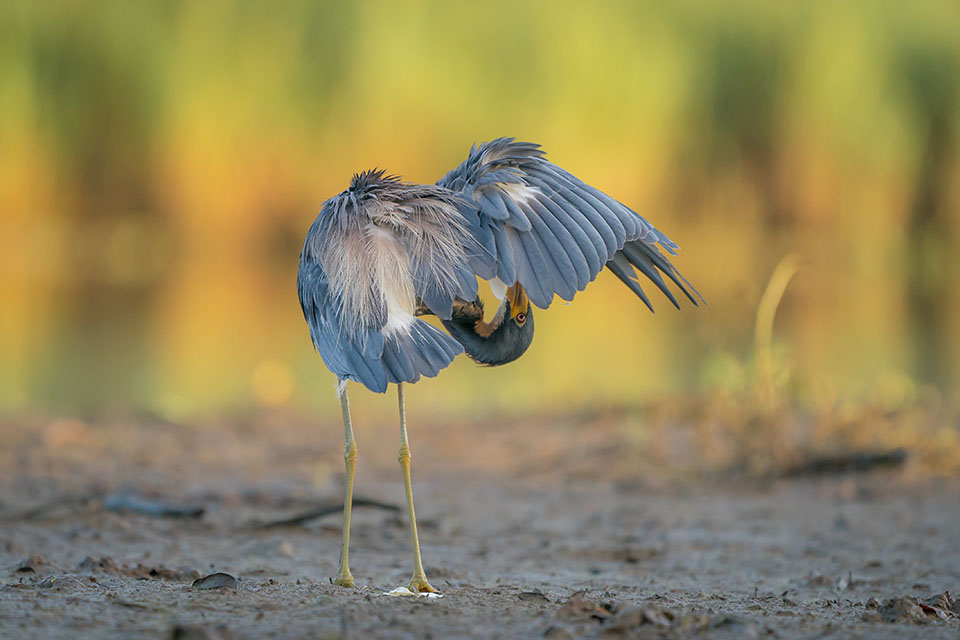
(859, 461)
(323, 510)
(119, 502)
(126, 502)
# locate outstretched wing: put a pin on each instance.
(553, 233)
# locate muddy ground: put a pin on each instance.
(564, 528)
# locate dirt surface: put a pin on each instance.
(559, 529)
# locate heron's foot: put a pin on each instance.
(419, 584)
(344, 580)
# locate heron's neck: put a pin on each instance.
(491, 343)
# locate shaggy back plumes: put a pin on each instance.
(380, 241)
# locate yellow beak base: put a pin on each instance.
(518, 300)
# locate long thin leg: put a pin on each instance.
(344, 578)
(418, 582)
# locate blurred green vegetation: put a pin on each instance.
(160, 163)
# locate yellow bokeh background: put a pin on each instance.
(160, 163)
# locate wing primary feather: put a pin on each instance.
(484, 262)
(642, 261)
(372, 345)
(597, 221)
(365, 372)
(591, 242)
(570, 238)
(616, 225)
(531, 269)
(431, 353)
(627, 275)
(665, 242)
(398, 361)
(555, 266)
(467, 283)
(667, 267)
(442, 347)
(507, 271)
(564, 273)
(642, 250)
(584, 200)
(632, 222)
(420, 353)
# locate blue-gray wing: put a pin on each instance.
(363, 351)
(553, 233)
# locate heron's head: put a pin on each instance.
(504, 339)
(366, 187)
(368, 183)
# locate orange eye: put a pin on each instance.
(521, 318)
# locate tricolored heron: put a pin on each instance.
(384, 252)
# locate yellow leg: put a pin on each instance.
(344, 579)
(418, 583)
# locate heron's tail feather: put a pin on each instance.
(424, 350)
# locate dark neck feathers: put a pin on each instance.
(493, 343)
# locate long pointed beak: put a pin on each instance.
(518, 300)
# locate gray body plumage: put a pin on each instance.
(374, 251)
(384, 251)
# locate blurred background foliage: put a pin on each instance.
(160, 163)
